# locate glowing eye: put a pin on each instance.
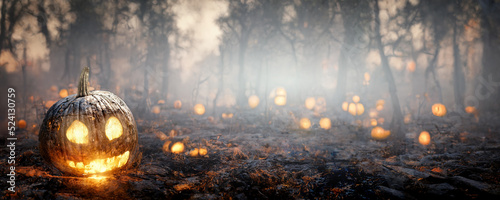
(77, 132)
(114, 128)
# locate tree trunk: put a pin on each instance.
(397, 117)
(165, 60)
(241, 64)
(487, 90)
(221, 82)
(458, 76)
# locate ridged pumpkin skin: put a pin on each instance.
(93, 110)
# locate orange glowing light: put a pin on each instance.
(280, 100)
(373, 122)
(411, 66)
(177, 104)
(101, 165)
(380, 133)
(22, 124)
(470, 109)
(367, 76)
(356, 98)
(253, 101)
(345, 105)
(161, 102)
(310, 103)
(356, 109)
(178, 147)
(424, 138)
(49, 104)
(305, 123)
(199, 109)
(439, 109)
(325, 123)
(63, 93)
(156, 109)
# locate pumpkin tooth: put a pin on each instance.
(71, 164)
(80, 165)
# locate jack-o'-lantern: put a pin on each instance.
(424, 138)
(89, 133)
(253, 101)
(227, 115)
(325, 123)
(161, 102)
(373, 122)
(470, 109)
(198, 152)
(310, 103)
(177, 104)
(438, 109)
(178, 147)
(380, 133)
(199, 109)
(305, 123)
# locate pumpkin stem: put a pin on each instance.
(83, 84)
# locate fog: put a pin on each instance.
(198, 51)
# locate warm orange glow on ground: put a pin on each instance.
(101, 165)
(178, 147)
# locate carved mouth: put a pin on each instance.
(101, 165)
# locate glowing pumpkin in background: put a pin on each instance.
(310, 103)
(63, 93)
(89, 133)
(411, 66)
(227, 115)
(373, 122)
(199, 109)
(356, 109)
(156, 109)
(380, 104)
(356, 99)
(424, 138)
(177, 104)
(305, 123)
(280, 98)
(345, 105)
(439, 110)
(49, 104)
(325, 123)
(21, 124)
(253, 101)
(161, 102)
(470, 109)
(198, 152)
(380, 133)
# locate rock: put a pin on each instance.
(472, 183)
(440, 188)
(396, 194)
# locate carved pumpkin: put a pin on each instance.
(89, 133)
(439, 109)
(356, 109)
(280, 97)
(22, 124)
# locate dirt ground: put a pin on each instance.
(251, 156)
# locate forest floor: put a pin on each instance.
(251, 157)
